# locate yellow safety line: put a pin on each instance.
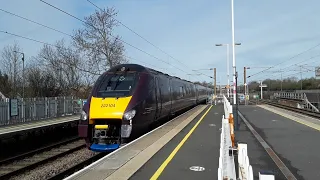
(303, 122)
(173, 153)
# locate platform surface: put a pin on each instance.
(125, 161)
(200, 151)
(258, 157)
(296, 144)
(4, 130)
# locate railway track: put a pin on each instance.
(301, 111)
(59, 173)
(67, 172)
(21, 163)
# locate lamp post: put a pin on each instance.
(233, 56)
(237, 126)
(228, 74)
(22, 73)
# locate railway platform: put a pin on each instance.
(20, 128)
(290, 138)
(192, 154)
(187, 147)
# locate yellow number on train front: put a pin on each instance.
(108, 105)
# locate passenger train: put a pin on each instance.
(128, 99)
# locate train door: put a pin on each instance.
(160, 95)
(170, 95)
(196, 93)
(158, 99)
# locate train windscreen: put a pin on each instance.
(116, 85)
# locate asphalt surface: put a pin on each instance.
(297, 145)
(258, 157)
(201, 149)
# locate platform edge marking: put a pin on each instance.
(296, 119)
(81, 171)
(283, 168)
(173, 153)
(126, 171)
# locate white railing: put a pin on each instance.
(300, 96)
(309, 104)
(226, 162)
(227, 170)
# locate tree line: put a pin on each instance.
(64, 69)
(288, 84)
(70, 68)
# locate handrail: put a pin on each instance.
(309, 103)
(228, 151)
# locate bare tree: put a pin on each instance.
(12, 65)
(66, 66)
(102, 50)
(5, 86)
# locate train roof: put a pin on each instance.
(140, 68)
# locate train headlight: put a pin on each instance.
(129, 115)
(83, 116)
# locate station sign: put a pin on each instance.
(14, 111)
(263, 85)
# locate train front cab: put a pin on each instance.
(109, 115)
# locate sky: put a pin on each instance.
(270, 32)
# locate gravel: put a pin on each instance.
(54, 167)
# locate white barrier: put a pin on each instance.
(245, 169)
(227, 170)
(226, 162)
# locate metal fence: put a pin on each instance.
(33, 109)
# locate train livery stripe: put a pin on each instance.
(108, 108)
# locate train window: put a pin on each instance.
(115, 85)
(187, 90)
(151, 83)
(181, 91)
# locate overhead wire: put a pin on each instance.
(29, 20)
(112, 35)
(281, 70)
(287, 59)
(275, 73)
(304, 60)
(59, 9)
(296, 64)
(139, 35)
(13, 14)
(34, 40)
(290, 75)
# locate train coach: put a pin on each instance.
(127, 99)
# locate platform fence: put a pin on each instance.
(40, 108)
(234, 157)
